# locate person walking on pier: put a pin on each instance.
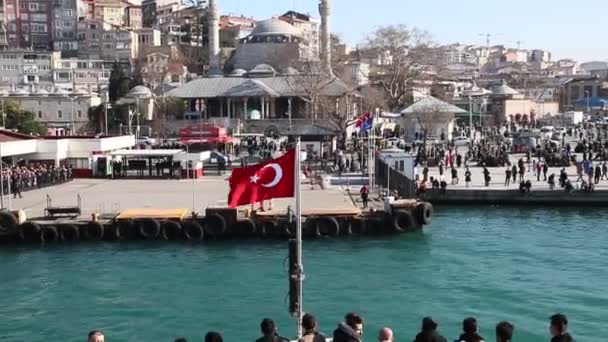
(16, 185)
(454, 176)
(270, 332)
(539, 168)
(364, 195)
(504, 332)
(486, 176)
(309, 324)
(514, 173)
(545, 170)
(598, 173)
(604, 171)
(507, 176)
(467, 178)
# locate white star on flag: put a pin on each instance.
(254, 179)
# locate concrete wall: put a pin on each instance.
(536, 197)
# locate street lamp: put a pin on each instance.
(3, 94)
(587, 95)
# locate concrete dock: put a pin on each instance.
(111, 196)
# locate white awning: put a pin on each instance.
(146, 153)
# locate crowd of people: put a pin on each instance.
(20, 178)
(351, 330)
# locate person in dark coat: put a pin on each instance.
(428, 332)
(350, 330)
(504, 332)
(270, 332)
(470, 329)
(559, 329)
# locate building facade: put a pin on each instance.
(65, 28)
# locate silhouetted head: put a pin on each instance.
(267, 326)
(469, 325)
(504, 332)
(559, 325)
(213, 336)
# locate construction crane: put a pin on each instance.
(488, 36)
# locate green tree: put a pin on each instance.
(21, 120)
(119, 83)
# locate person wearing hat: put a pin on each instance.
(428, 332)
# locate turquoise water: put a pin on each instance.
(519, 264)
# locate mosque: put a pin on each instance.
(256, 91)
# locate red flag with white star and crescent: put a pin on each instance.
(272, 179)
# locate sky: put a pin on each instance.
(568, 29)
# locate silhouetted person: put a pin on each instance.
(559, 329)
(504, 332)
(270, 332)
(428, 332)
(470, 329)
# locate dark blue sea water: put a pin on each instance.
(518, 264)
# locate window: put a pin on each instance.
(108, 46)
(39, 113)
(22, 5)
(67, 12)
(82, 65)
(33, 6)
(59, 113)
(41, 17)
(79, 113)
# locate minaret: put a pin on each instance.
(213, 19)
(325, 12)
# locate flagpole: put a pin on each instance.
(300, 268)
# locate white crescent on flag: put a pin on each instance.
(278, 175)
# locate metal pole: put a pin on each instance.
(72, 115)
(388, 178)
(106, 112)
(1, 178)
(471, 118)
(299, 238)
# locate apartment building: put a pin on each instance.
(28, 24)
(19, 67)
(77, 73)
(65, 29)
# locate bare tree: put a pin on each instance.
(372, 98)
(428, 118)
(401, 51)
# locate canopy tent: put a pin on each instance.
(594, 102)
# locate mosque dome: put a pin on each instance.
(273, 27)
(262, 70)
(237, 73)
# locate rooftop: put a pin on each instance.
(274, 26)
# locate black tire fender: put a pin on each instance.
(215, 225)
(148, 228)
(69, 233)
(193, 230)
(93, 231)
(49, 234)
(424, 213)
(403, 221)
(29, 232)
(171, 230)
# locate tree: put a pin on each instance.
(372, 98)
(120, 83)
(428, 117)
(402, 51)
(21, 120)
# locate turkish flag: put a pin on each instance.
(271, 179)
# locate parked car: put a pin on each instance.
(145, 140)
